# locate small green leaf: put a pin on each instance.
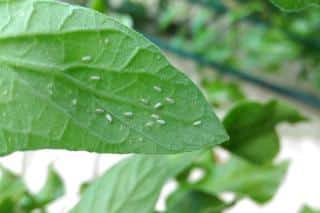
(72, 78)
(133, 185)
(51, 191)
(12, 189)
(251, 127)
(308, 209)
(220, 93)
(257, 182)
(193, 201)
(294, 5)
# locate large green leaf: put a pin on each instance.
(293, 5)
(251, 127)
(133, 185)
(72, 78)
(193, 201)
(246, 180)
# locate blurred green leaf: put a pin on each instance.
(294, 5)
(184, 200)
(260, 183)
(51, 191)
(133, 185)
(12, 189)
(251, 127)
(99, 5)
(308, 209)
(221, 93)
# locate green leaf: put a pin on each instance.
(308, 209)
(72, 78)
(12, 189)
(259, 183)
(294, 5)
(193, 201)
(51, 191)
(251, 127)
(220, 93)
(133, 185)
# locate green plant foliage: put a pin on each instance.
(308, 209)
(16, 198)
(259, 183)
(251, 127)
(193, 201)
(52, 190)
(294, 5)
(12, 190)
(74, 79)
(220, 93)
(133, 185)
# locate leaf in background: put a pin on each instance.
(294, 5)
(51, 191)
(193, 201)
(251, 127)
(220, 93)
(308, 209)
(72, 78)
(133, 185)
(246, 180)
(12, 189)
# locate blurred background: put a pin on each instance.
(233, 50)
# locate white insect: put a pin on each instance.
(99, 110)
(197, 123)
(86, 58)
(170, 100)
(109, 117)
(155, 116)
(74, 101)
(149, 124)
(162, 122)
(157, 105)
(128, 114)
(157, 88)
(95, 78)
(145, 101)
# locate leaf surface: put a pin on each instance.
(133, 185)
(294, 5)
(260, 183)
(72, 78)
(251, 127)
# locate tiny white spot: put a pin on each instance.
(99, 110)
(157, 88)
(155, 116)
(140, 139)
(128, 114)
(197, 123)
(157, 105)
(74, 101)
(109, 117)
(86, 58)
(149, 124)
(162, 122)
(5, 92)
(145, 101)
(106, 41)
(170, 100)
(95, 78)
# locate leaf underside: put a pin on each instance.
(71, 78)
